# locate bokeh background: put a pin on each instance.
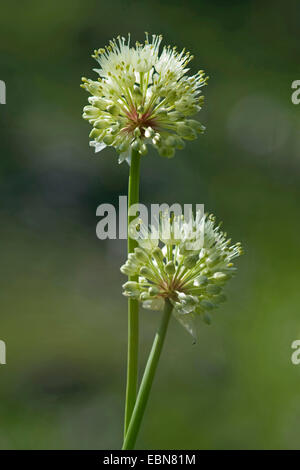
(62, 314)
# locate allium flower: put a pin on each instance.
(191, 267)
(142, 97)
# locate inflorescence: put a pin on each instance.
(142, 97)
(188, 263)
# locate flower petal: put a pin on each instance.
(154, 304)
(188, 321)
(98, 145)
(125, 156)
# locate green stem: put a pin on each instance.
(133, 306)
(147, 380)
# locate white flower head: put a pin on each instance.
(142, 97)
(191, 275)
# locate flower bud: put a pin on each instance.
(207, 318)
(112, 109)
(175, 115)
(123, 146)
(219, 298)
(131, 289)
(137, 91)
(108, 139)
(136, 144)
(137, 132)
(153, 291)
(200, 281)
(100, 103)
(213, 289)
(143, 149)
(144, 296)
(196, 125)
(114, 129)
(212, 260)
(126, 270)
(190, 261)
(188, 299)
(91, 111)
(141, 255)
(220, 277)
(131, 286)
(145, 271)
(156, 139)
(193, 109)
(170, 141)
(149, 133)
(206, 304)
(186, 131)
(203, 253)
(170, 268)
(167, 152)
(172, 95)
(179, 143)
(95, 133)
(161, 112)
(101, 123)
(158, 254)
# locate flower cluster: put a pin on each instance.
(142, 97)
(191, 267)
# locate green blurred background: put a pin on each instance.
(62, 313)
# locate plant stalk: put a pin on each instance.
(133, 306)
(144, 391)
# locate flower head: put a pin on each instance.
(142, 97)
(188, 262)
